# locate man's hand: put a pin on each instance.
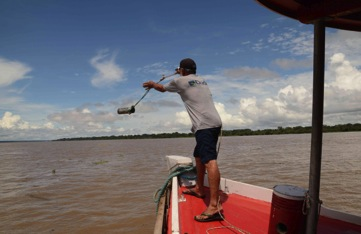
(149, 84)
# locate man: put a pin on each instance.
(206, 124)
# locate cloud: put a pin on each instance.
(13, 128)
(183, 118)
(229, 85)
(292, 41)
(249, 72)
(343, 90)
(87, 120)
(11, 121)
(347, 42)
(108, 72)
(160, 69)
(288, 64)
(83, 118)
(292, 104)
(229, 120)
(12, 71)
(347, 77)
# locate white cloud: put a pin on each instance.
(347, 77)
(159, 68)
(12, 71)
(108, 72)
(273, 112)
(347, 42)
(83, 118)
(292, 41)
(79, 122)
(10, 121)
(250, 73)
(342, 92)
(295, 98)
(288, 64)
(230, 120)
(183, 118)
(292, 105)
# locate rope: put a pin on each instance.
(220, 140)
(160, 192)
(308, 202)
(231, 226)
(146, 92)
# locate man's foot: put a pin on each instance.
(193, 193)
(204, 217)
(211, 210)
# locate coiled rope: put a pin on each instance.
(178, 171)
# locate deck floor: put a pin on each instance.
(248, 215)
(245, 214)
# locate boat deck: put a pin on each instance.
(248, 215)
(242, 215)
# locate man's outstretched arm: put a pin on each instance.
(153, 85)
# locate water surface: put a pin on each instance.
(108, 186)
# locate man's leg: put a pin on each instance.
(201, 169)
(214, 178)
(208, 140)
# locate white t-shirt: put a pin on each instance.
(198, 101)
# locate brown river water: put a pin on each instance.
(108, 186)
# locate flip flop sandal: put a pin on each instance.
(192, 193)
(209, 217)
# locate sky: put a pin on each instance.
(67, 66)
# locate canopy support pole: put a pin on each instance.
(317, 126)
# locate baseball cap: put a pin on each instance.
(188, 64)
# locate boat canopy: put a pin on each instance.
(339, 14)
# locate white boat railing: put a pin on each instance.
(175, 213)
(334, 214)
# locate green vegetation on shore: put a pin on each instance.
(237, 132)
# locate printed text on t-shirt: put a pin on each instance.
(196, 82)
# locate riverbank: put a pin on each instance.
(236, 132)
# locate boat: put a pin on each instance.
(246, 208)
(285, 208)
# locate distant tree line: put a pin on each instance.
(143, 136)
(293, 130)
(236, 132)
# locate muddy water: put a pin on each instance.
(108, 186)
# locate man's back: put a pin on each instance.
(198, 100)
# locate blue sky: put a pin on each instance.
(67, 66)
